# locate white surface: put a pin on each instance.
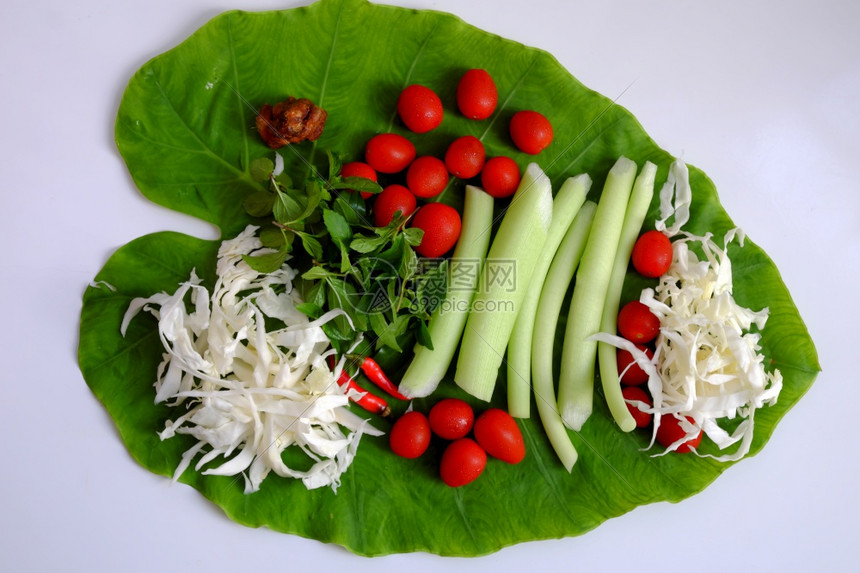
(764, 99)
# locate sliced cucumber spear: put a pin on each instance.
(549, 307)
(506, 274)
(428, 367)
(565, 206)
(637, 208)
(576, 382)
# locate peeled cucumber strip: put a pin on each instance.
(504, 278)
(576, 382)
(637, 208)
(428, 367)
(549, 308)
(565, 206)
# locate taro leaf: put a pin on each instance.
(185, 130)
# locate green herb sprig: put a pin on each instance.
(370, 273)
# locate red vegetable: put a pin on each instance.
(451, 418)
(669, 431)
(359, 169)
(410, 435)
(441, 225)
(498, 433)
(530, 131)
(427, 176)
(500, 177)
(638, 394)
(370, 402)
(465, 157)
(637, 323)
(477, 95)
(462, 462)
(375, 374)
(389, 152)
(419, 108)
(393, 198)
(652, 254)
(634, 375)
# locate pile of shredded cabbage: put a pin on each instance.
(250, 373)
(707, 362)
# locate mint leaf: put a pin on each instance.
(337, 226)
(364, 244)
(286, 209)
(413, 235)
(316, 273)
(335, 165)
(314, 192)
(384, 331)
(313, 311)
(311, 246)
(261, 169)
(359, 184)
(408, 262)
(268, 263)
(353, 208)
(275, 238)
(259, 204)
(422, 335)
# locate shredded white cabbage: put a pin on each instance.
(707, 362)
(251, 389)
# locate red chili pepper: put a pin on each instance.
(370, 402)
(375, 374)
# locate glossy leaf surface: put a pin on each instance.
(185, 130)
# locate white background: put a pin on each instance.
(763, 96)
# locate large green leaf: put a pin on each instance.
(185, 129)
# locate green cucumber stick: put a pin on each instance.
(637, 208)
(548, 310)
(566, 204)
(428, 367)
(578, 355)
(504, 278)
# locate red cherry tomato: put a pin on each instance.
(652, 254)
(500, 177)
(441, 225)
(427, 176)
(410, 435)
(637, 323)
(498, 433)
(419, 108)
(359, 169)
(477, 95)
(462, 462)
(531, 131)
(638, 394)
(393, 198)
(670, 431)
(389, 152)
(634, 375)
(451, 418)
(465, 157)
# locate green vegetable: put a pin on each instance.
(576, 383)
(510, 263)
(566, 204)
(637, 208)
(189, 148)
(549, 307)
(371, 273)
(429, 365)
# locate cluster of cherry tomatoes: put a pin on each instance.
(494, 433)
(421, 110)
(651, 257)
